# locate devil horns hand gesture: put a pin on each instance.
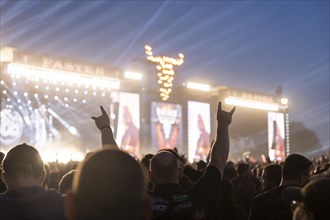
(102, 122)
(220, 148)
(223, 117)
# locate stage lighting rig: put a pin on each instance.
(133, 75)
(198, 86)
(237, 101)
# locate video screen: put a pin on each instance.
(198, 131)
(276, 136)
(248, 134)
(53, 117)
(125, 118)
(166, 125)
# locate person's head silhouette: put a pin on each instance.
(108, 185)
(23, 167)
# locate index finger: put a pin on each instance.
(232, 111)
(219, 106)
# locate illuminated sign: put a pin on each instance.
(251, 100)
(166, 72)
(252, 96)
(48, 62)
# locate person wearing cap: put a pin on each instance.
(312, 199)
(25, 198)
(270, 205)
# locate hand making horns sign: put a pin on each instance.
(223, 116)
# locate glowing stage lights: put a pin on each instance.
(166, 73)
(35, 73)
(284, 101)
(61, 155)
(133, 75)
(251, 104)
(198, 86)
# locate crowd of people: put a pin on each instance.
(111, 184)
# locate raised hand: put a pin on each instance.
(224, 117)
(220, 149)
(102, 121)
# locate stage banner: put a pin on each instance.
(198, 130)
(125, 119)
(166, 125)
(276, 135)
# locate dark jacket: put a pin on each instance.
(170, 201)
(271, 206)
(31, 203)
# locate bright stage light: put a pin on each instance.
(284, 101)
(6, 54)
(133, 75)
(63, 156)
(70, 78)
(251, 104)
(198, 86)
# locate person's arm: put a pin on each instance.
(102, 122)
(220, 148)
(192, 173)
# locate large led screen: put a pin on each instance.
(166, 125)
(198, 130)
(125, 118)
(53, 117)
(276, 136)
(248, 134)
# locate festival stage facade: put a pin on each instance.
(47, 102)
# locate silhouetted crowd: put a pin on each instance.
(111, 184)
